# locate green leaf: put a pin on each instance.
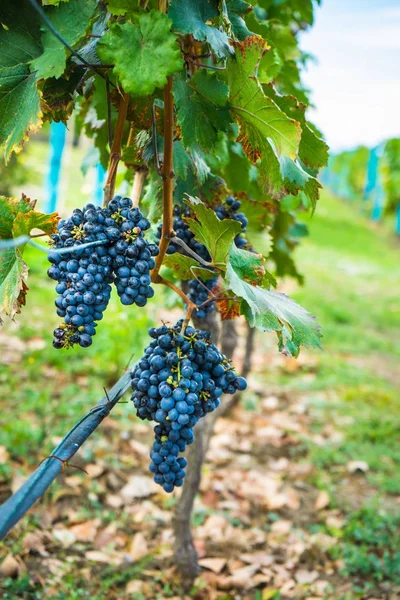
(295, 178)
(202, 170)
(217, 236)
(202, 109)
(19, 107)
(273, 311)
(185, 267)
(18, 217)
(236, 9)
(182, 161)
(19, 98)
(260, 119)
(13, 276)
(313, 151)
(265, 131)
(259, 239)
(144, 53)
(191, 16)
(122, 7)
(71, 20)
(247, 265)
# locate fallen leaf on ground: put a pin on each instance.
(64, 536)
(322, 501)
(303, 576)
(138, 486)
(94, 470)
(10, 567)
(357, 465)
(138, 547)
(86, 531)
(213, 564)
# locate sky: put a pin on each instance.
(355, 81)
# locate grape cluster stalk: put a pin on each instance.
(180, 379)
(84, 276)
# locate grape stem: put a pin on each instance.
(191, 305)
(167, 231)
(115, 151)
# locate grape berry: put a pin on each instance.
(180, 379)
(85, 275)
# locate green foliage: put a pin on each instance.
(192, 17)
(391, 174)
(186, 267)
(202, 110)
(370, 547)
(71, 20)
(217, 236)
(240, 124)
(17, 218)
(19, 97)
(273, 311)
(144, 53)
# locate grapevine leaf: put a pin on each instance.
(18, 217)
(296, 178)
(25, 222)
(182, 161)
(201, 167)
(185, 267)
(236, 10)
(122, 7)
(202, 109)
(19, 98)
(264, 129)
(217, 236)
(260, 239)
(19, 107)
(313, 151)
(57, 97)
(191, 16)
(248, 265)
(71, 20)
(274, 311)
(144, 53)
(13, 276)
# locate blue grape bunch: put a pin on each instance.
(84, 276)
(199, 290)
(180, 379)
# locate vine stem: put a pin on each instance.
(191, 305)
(168, 177)
(115, 150)
(138, 183)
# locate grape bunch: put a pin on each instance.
(199, 291)
(229, 210)
(132, 255)
(84, 275)
(180, 379)
(198, 288)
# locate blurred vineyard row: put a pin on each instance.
(369, 175)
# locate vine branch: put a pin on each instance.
(168, 177)
(115, 150)
(138, 183)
